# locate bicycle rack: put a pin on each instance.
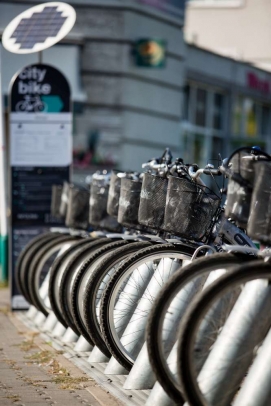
(260, 372)
(158, 397)
(114, 368)
(140, 381)
(237, 339)
(237, 334)
(70, 336)
(82, 345)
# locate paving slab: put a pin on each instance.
(33, 372)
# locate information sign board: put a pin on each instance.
(40, 154)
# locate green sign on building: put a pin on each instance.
(150, 53)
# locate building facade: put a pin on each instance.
(227, 104)
(123, 113)
(197, 103)
(238, 29)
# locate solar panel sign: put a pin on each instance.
(39, 28)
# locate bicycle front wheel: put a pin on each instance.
(169, 309)
(129, 296)
(95, 285)
(245, 293)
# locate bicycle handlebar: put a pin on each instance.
(206, 171)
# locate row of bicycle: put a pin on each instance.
(126, 288)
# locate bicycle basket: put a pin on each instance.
(77, 213)
(152, 201)
(56, 201)
(259, 223)
(98, 202)
(129, 202)
(113, 195)
(110, 223)
(238, 195)
(64, 199)
(190, 209)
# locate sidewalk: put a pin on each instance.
(33, 373)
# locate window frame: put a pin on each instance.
(259, 117)
(208, 132)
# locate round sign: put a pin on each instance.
(39, 28)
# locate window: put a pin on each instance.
(217, 147)
(186, 102)
(203, 126)
(194, 149)
(265, 120)
(237, 116)
(218, 111)
(251, 118)
(201, 105)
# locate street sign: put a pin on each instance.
(40, 154)
(39, 28)
(33, 138)
(150, 53)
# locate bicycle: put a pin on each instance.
(175, 297)
(113, 333)
(231, 350)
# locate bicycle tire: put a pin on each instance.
(25, 254)
(33, 294)
(76, 286)
(94, 280)
(154, 326)
(105, 301)
(53, 276)
(64, 299)
(26, 263)
(194, 315)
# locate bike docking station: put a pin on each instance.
(40, 154)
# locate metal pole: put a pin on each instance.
(39, 319)
(134, 335)
(256, 389)
(82, 345)
(232, 353)
(50, 322)
(143, 276)
(97, 356)
(158, 397)
(59, 330)
(3, 190)
(177, 309)
(70, 336)
(141, 375)
(211, 325)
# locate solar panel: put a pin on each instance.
(39, 27)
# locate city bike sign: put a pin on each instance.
(40, 119)
(40, 154)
